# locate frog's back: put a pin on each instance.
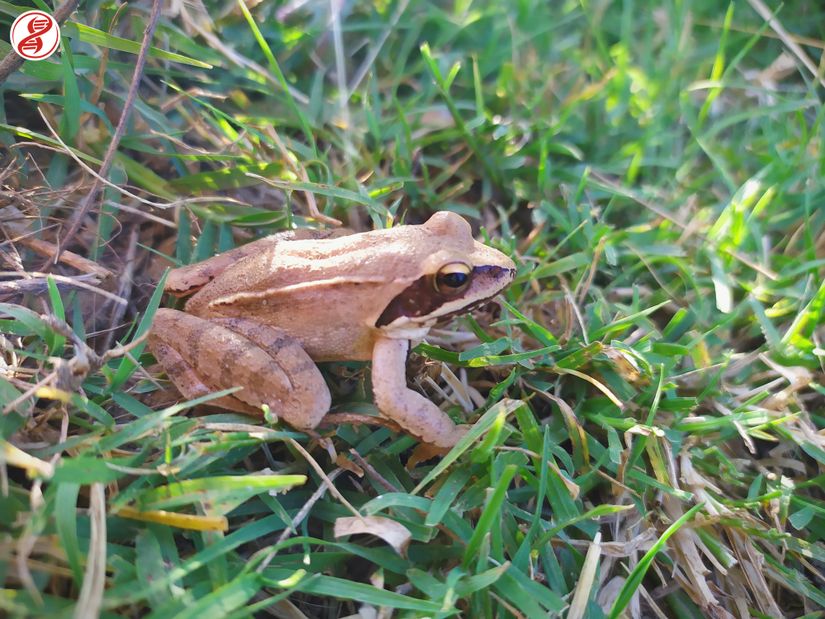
(327, 293)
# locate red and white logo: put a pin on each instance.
(35, 35)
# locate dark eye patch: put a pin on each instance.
(417, 299)
(422, 298)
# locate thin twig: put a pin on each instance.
(320, 491)
(371, 471)
(124, 288)
(24, 548)
(94, 579)
(45, 248)
(576, 311)
(47, 380)
(317, 467)
(128, 104)
(161, 205)
(375, 50)
(37, 285)
(62, 328)
(74, 282)
(768, 15)
(335, 8)
(104, 58)
(68, 374)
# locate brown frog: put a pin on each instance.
(261, 315)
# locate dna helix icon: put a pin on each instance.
(37, 27)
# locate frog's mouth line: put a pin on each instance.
(469, 308)
(421, 299)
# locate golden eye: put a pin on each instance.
(452, 278)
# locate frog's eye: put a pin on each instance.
(452, 278)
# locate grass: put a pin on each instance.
(649, 401)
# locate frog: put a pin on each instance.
(261, 316)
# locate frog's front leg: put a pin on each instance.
(202, 356)
(412, 411)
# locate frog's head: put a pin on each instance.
(457, 274)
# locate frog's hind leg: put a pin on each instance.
(309, 394)
(189, 383)
(202, 356)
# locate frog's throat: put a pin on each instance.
(421, 303)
